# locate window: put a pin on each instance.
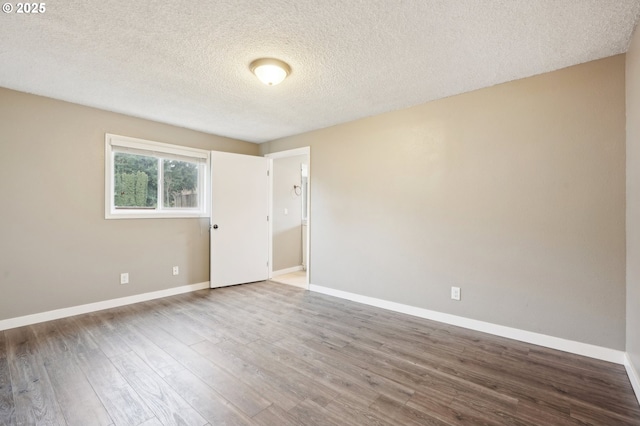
(147, 179)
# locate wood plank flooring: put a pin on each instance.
(270, 354)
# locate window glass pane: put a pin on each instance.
(136, 181)
(180, 184)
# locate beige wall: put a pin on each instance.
(287, 228)
(515, 193)
(57, 250)
(633, 201)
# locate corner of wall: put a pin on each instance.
(634, 376)
(632, 89)
(265, 148)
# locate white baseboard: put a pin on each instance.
(579, 348)
(634, 377)
(286, 271)
(97, 306)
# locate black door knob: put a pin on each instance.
(215, 226)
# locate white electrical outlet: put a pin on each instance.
(455, 293)
(124, 278)
(176, 270)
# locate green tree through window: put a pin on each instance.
(180, 184)
(136, 181)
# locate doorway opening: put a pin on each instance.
(289, 223)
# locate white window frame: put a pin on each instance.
(116, 143)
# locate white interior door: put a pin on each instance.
(239, 219)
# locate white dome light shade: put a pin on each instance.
(270, 71)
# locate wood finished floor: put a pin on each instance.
(270, 354)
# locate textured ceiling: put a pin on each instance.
(186, 63)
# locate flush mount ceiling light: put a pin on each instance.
(270, 71)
